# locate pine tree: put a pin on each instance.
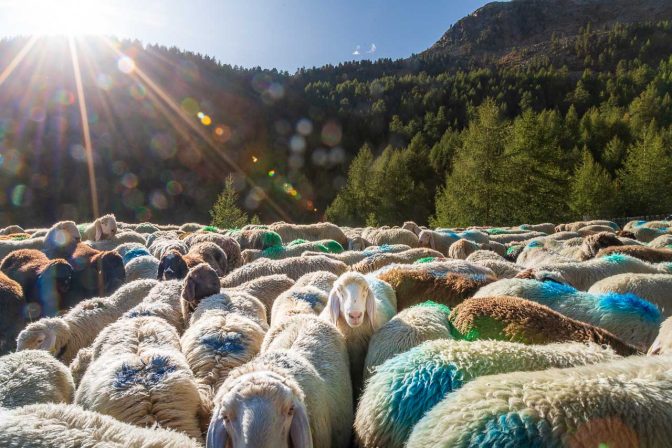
(476, 192)
(647, 174)
(593, 191)
(225, 213)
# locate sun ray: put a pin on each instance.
(17, 59)
(88, 147)
(137, 71)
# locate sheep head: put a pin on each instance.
(212, 254)
(202, 281)
(261, 409)
(172, 266)
(46, 334)
(61, 240)
(356, 243)
(426, 239)
(106, 227)
(352, 298)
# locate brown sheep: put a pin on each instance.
(46, 283)
(96, 273)
(518, 320)
(12, 309)
(649, 254)
(174, 265)
(592, 244)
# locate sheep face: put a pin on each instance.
(356, 243)
(351, 298)
(262, 411)
(62, 239)
(106, 227)
(426, 239)
(113, 271)
(172, 267)
(47, 334)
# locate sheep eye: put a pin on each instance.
(291, 411)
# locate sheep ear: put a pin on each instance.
(655, 348)
(217, 436)
(371, 308)
(189, 292)
(334, 305)
(299, 432)
(99, 230)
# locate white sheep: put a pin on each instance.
(618, 403)
(309, 232)
(65, 336)
(117, 240)
(34, 376)
(298, 300)
(102, 228)
(62, 425)
(358, 306)
(266, 288)
(297, 391)
(656, 288)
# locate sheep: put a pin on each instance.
(448, 283)
(143, 378)
(166, 235)
(519, 320)
(663, 241)
(644, 253)
(547, 227)
(129, 251)
(61, 240)
(439, 241)
(266, 288)
(575, 226)
(646, 235)
(292, 267)
(510, 238)
(655, 288)
(34, 376)
(237, 301)
(351, 257)
(102, 228)
(230, 247)
(142, 267)
(358, 306)
(411, 327)
(175, 265)
(95, 272)
(376, 261)
(191, 227)
(502, 268)
(309, 232)
(322, 280)
(408, 386)
(11, 229)
(161, 246)
(13, 313)
(293, 249)
(377, 237)
(45, 283)
(116, 240)
(66, 425)
(662, 345)
(462, 248)
(146, 227)
(297, 390)
(592, 244)
(627, 316)
(201, 281)
(595, 228)
(65, 336)
(256, 239)
(584, 274)
(413, 227)
(298, 300)
(537, 253)
(618, 403)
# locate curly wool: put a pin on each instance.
(557, 407)
(406, 387)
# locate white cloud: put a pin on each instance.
(372, 49)
(357, 52)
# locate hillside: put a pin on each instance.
(167, 126)
(508, 33)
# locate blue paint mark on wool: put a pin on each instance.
(149, 375)
(629, 304)
(535, 244)
(135, 253)
(310, 298)
(512, 430)
(224, 344)
(554, 289)
(144, 313)
(615, 258)
(419, 390)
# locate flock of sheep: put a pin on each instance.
(143, 335)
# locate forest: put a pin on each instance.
(584, 131)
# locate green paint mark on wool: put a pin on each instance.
(273, 252)
(82, 228)
(20, 238)
(511, 250)
(322, 248)
(333, 247)
(210, 229)
(432, 304)
(424, 260)
(271, 239)
(295, 242)
(496, 231)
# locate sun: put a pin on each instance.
(64, 17)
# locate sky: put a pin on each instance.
(282, 34)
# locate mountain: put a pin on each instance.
(508, 33)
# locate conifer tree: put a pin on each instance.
(225, 213)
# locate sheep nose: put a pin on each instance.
(355, 314)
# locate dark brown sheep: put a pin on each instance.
(96, 273)
(202, 281)
(518, 320)
(592, 244)
(12, 313)
(174, 265)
